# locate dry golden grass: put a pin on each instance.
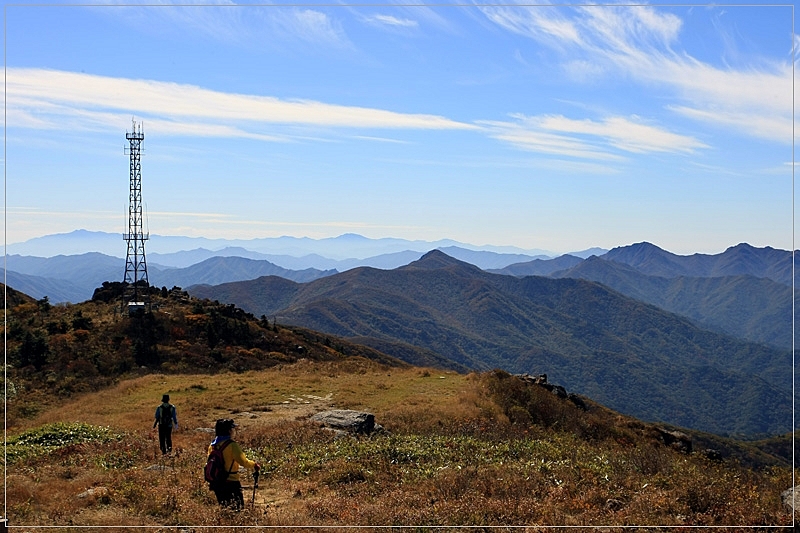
(451, 457)
(389, 393)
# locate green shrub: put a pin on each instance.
(50, 437)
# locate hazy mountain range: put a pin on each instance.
(73, 278)
(343, 247)
(649, 259)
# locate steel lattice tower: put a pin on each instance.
(136, 294)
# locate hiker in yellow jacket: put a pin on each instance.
(229, 493)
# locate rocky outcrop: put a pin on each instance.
(357, 422)
(558, 390)
(671, 438)
(675, 440)
(712, 455)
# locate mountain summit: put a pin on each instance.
(436, 259)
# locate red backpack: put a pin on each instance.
(214, 472)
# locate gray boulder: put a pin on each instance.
(676, 440)
(347, 420)
(789, 497)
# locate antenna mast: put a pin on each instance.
(136, 295)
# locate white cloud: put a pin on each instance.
(540, 23)
(628, 30)
(640, 42)
(75, 119)
(38, 98)
(186, 214)
(572, 166)
(796, 47)
(768, 127)
(629, 134)
(752, 103)
(389, 20)
(311, 26)
(229, 22)
(221, 20)
(379, 139)
(588, 139)
(584, 71)
(527, 136)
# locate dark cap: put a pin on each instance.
(224, 426)
(165, 398)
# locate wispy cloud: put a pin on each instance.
(643, 44)
(389, 20)
(401, 16)
(185, 214)
(379, 139)
(770, 127)
(226, 21)
(544, 25)
(534, 139)
(248, 228)
(589, 139)
(629, 134)
(38, 98)
(755, 103)
(310, 25)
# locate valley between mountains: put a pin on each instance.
(631, 356)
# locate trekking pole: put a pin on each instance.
(255, 486)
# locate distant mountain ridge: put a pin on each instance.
(56, 290)
(744, 306)
(742, 259)
(346, 246)
(629, 355)
(540, 267)
(217, 270)
(74, 278)
(649, 259)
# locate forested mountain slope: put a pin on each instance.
(751, 308)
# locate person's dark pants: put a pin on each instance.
(230, 495)
(165, 438)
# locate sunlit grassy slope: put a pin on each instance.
(477, 450)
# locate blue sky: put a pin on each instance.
(549, 127)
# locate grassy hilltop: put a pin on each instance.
(458, 449)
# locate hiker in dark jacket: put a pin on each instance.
(166, 419)
(229, 493)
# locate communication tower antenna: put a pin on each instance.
(136, 295)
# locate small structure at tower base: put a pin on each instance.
(134, 307)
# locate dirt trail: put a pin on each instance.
(271, 496)
(293, 408)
